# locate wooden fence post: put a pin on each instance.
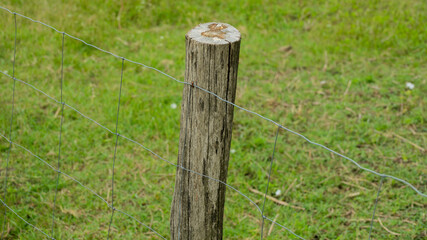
(212, 57)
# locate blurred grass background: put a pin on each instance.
(335, 71)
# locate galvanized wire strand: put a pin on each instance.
(216, 180)
(315, 143)
(158, 156)
(209, 92)
(115, 150)
(52, 167)
(113, 210)
(176, 165)
(268, 183)
(375, 207)
(224, 100)
(32, 86)
(139, 144)
(60, 135)
(91, 45)
(53, 99)
(83, 115)
(289, 230)
(77, 181)
(10, 128)
(158, 234)
(131, 140)
(38, 229)
(155, 154)
(280, 126)
(194, 172)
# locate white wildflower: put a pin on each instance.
(410, 85)
(233, 151)
(174, 106)
(278, 192)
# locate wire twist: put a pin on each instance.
(149, 150)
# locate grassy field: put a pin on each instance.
(335, 71)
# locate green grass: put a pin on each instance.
(334, 71)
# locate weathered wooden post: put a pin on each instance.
(212, 57)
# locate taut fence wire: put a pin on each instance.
(111, 205)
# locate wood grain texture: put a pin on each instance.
(206, 127)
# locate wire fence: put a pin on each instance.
(111, 205)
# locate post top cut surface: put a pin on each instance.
(214, 33)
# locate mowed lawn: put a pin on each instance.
(351, 75)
